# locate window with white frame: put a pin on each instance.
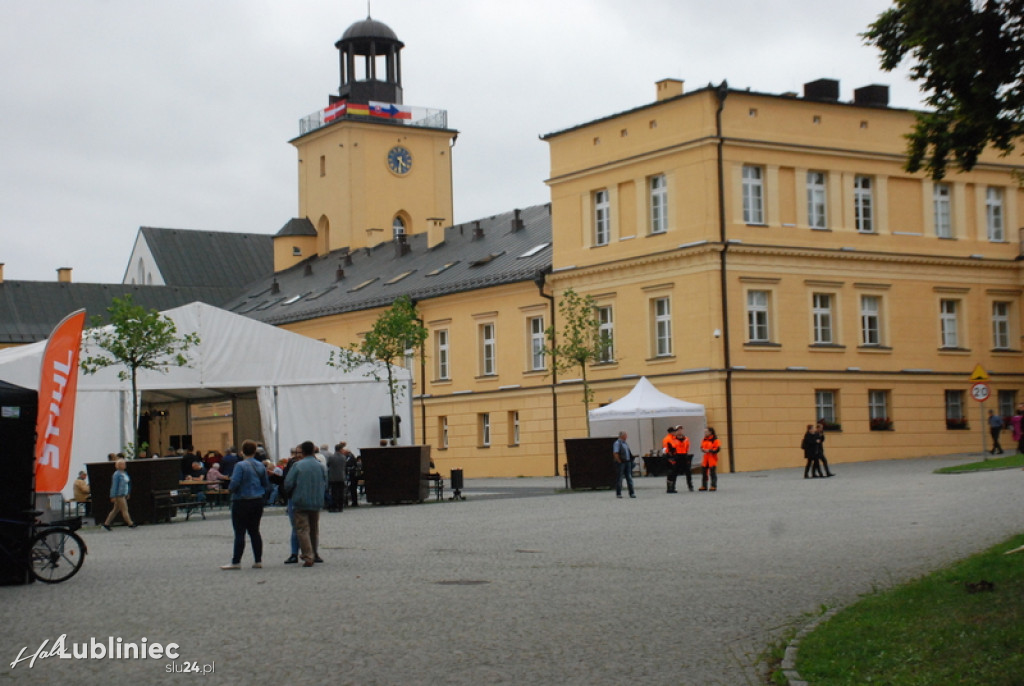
(441, 354)
(602, 218)
(753, 195)
(513, 427)
(825, 407)
(994, 214)
(822, 315)
(816, 200)
(662, 327)
(863, 204)
(870, 320)
(484, 429)
(658, 199)
(606, 332)
(943, 212)
(949, 321)
(537, 341)
(398, 227)
(442, 430)
(1001, 325)
(878, 409)
(1007, 403)
(488, 361)
(758, 329)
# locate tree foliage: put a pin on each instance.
(579, 343)
(397, 329)
(136, 338)
(969, 58)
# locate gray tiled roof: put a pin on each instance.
(30, 309)
(209, 258)
(468, 259)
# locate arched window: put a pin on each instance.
(398, 227)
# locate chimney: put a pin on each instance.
(275, 288)
(435, 232)
(822, 89)
(308, 269)
(875, 95)
(517, 221)
(339, 275)
(668, 88)
(478, 231)
(401, 245)
(64, 275)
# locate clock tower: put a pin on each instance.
(370, 167)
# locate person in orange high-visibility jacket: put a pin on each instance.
(710, 447)
(670, 449)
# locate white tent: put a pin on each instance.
(645, 413)
(300, 396)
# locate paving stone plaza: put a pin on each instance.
(521, 583)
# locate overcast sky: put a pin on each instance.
(177, 114)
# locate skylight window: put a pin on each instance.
(399, 277)
(319, 294)
(363, 285)
(443, 268)
(484, 260)
(534, 250)
(293, 299)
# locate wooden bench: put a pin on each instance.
(167, 502)
(436, 484)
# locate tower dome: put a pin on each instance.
(371, 65)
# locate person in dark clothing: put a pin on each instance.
(336, 478)
(248, 488)
(821, 447)
(810, 447)
(353, 473)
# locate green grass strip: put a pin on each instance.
(933, 630)
(995, 463)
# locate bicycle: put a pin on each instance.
(55, 552)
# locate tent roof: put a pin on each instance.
(235, 354)
(646, 401)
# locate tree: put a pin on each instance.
(138, 339)
(580, 343)
(968, 57)
(397, 329)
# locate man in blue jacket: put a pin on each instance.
(305, 485)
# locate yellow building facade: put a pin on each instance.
(764, 255)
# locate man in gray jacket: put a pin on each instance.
(305, 485)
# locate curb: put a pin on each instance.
(789, 658)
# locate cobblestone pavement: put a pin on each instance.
(519, 584)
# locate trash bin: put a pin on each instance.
(457, 485)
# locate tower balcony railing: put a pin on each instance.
(423, 117)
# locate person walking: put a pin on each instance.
(810, 446)
(249, 486)
(683, 457)
(995, 427)
(624, 464)
(336, 478)
(668, 449)
(120, 491)
(1017, 428)
(710, 447)
(305, 486)
(821, 447)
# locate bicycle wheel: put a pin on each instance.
(56, 555)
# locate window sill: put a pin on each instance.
(959, 351)
(1005, 351)
(874, 349)
(605, 364)
(441, 382)
(486, 377)
(535, 372)
(661, 359)
(769, 345)
(827, 346)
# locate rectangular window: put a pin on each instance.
(878, 410)
(606, 333)
(994, 214)
(950, 323)
(816, 200)
(537, 341)
(442, 431)
(662, 327)
(513, 427)
(822, 315)
(758, 330)
(658, 194)
(488, 361)
(484, 429)
(943, 214)
(955, 418)
(441, 354)
(825, 407)
(1007, 404)
(1001, 325)
(753, 195)
(602, 219)
(323, 165)
(863, 204)
(870, 320)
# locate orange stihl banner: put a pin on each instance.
(55, 423)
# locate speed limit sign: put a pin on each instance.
(980, 391)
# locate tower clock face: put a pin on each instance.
(399, 160)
